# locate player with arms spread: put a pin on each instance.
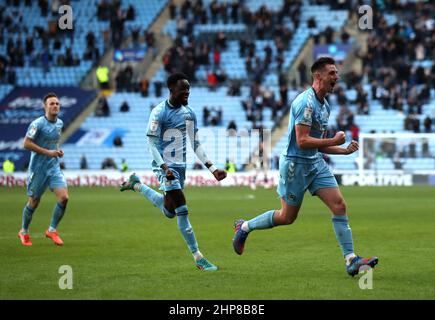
(301, 167)
(171, 123)
(42, 139)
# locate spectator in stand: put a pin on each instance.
(158, 88)
(83, 162)
(221, 76)
(128, 78)
(102, 73)
(197, 166)
(427, 123)
(416, 125)
(311, 23)
(124, 166)
(215, 117)
(205, 116)
(102, 109)
(234, 88)
(135, 36)
(361, 100)
(232, 125)
(131, 13)
(216, 57)
(344, 118)
(144, 86)
(302, 69)
(425, 150)
(397, 161)
(211, 80)
(354, 129)
(172, 10)
(117, 141)
(108, 163)
(341, 97)
(124, 107)
(221, 41)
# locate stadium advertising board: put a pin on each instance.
(203, 178)
(377, 180)
(23, 105)
(127, 55)
(107, 178)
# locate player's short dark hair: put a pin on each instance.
(49, 95)
(320, 63)
(173, 79)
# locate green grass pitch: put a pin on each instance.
(120, 247)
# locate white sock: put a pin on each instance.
(50, 229)
(137, 187)
(348, 258)
(245, 226)
(197, 255)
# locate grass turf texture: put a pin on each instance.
(121, 247)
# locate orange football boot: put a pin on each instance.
(55, 237)
(25, 239)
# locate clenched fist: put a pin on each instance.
(352, 147)
(339, 138)
(220, 174)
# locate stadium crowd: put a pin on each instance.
(394, 62)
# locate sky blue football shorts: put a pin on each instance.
(38, 181)
(295, 178)
(169, 185)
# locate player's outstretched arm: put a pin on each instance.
(199, 151)
(218, 173)
(32, 146)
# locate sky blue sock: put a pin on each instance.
(27, 217)
(263, 221)
(58, 212)
(186, 228)
(343, 233)
(156, 199)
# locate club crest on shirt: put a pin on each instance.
(308, 112)
(32, 131)
(154, 126)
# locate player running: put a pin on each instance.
(171, 123)
(302, 167)
(42, 139)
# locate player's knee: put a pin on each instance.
(339, 207)
(33, 203)
(283, 218)
(63, 200)
(289, 220)
(169, 213)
